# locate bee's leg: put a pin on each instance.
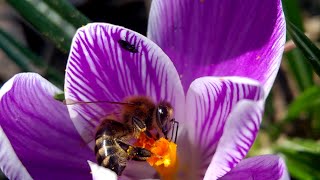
(141, 126)
(134, 153)
(114, 163)
(175, 128)
(110, 127)
(140, 154)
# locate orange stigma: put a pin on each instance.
(164, 155)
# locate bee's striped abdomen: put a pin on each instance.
(109, 155)
(108, 152)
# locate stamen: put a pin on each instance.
(164, 155)
(144, 141)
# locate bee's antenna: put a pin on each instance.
(71, 102)
(175, 125)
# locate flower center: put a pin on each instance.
(164, 155)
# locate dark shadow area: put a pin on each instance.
(131, 15)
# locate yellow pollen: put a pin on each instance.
(129, 150)
(164, 155)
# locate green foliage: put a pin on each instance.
(293, 12)
(302, 155)
(301, 70)
(303, 103)
(25, 58)
(309, 50)
(21, 56)
(68, 12)
(47, 21)
(302, 158)
(302, 165)
(56, 20)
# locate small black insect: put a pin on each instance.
(127, 46)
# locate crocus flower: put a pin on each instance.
(214, 61)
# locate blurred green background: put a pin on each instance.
(35, 35)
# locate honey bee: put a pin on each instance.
(113, 138)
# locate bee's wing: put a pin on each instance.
(114, 114)
(90, 140)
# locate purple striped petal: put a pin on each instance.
(9, 162)
(238, 136)
(220, 38)
(209, 103)
(40, 130)
(101, 69)
(263, 167)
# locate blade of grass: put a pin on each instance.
(10, 48)
(312, 55)
(301, 70)
(68, 12)
(47, 21)
(308, 49)
(302, 157)
(301, 145)
(24, 58)
(302, 165)
(293, 12)
(303, 103)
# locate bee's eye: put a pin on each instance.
(163, 119)
(163, 114)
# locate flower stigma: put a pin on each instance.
(164, 155)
